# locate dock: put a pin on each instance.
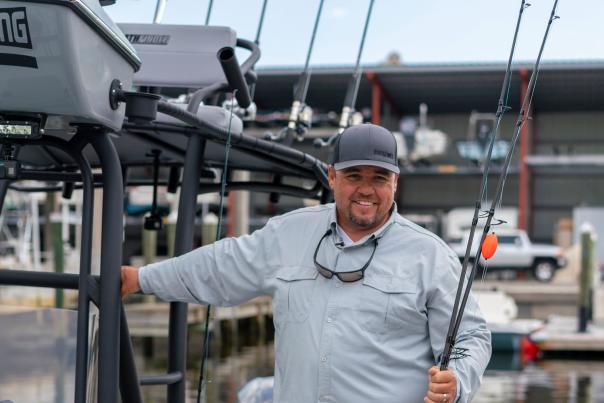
(536, 300)
(151, 319)
(560, 335)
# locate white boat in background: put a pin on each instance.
(508, 333)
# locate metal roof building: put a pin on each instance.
(560, 156)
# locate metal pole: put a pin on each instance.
(129, 381)
(4, 183)
(111, 259)
(185, 227)
(58, 256)
(85, 265)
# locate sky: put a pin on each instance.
(421, 31)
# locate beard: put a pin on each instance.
(362, 222)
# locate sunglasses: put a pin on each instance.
(344, 276)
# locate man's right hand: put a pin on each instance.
(129, 281)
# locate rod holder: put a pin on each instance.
(232, 72)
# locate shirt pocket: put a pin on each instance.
(294, 294)
(388, 303)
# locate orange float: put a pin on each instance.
(489, 246)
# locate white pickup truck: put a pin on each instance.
(517, 252)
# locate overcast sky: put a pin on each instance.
(426, 31)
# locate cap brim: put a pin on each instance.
(354, 163)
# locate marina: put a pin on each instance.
(463, 203)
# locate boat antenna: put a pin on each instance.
(458, 308)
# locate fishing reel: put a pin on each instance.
(300, 120)
(348, 118)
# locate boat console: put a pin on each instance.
(58, 59)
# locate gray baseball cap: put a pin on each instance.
(366, 144)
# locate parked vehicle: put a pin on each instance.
(517, 252)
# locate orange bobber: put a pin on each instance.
(489, 246)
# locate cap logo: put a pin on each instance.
(383, 153)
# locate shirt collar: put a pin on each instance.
(378, 233)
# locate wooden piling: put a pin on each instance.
(587, 276)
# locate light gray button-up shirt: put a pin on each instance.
(368, 341)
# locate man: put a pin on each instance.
(361, 296)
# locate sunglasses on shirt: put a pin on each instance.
(344, 276)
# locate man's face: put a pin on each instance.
(363, 195)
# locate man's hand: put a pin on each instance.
(442, 386)
(129, 281)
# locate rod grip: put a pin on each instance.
(234, 76)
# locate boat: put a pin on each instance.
(508, 333)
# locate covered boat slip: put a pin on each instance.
(84, 148)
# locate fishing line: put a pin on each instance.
(223, 185)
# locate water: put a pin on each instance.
(545, 381)
(37, 365)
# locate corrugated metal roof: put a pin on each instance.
(446, 88)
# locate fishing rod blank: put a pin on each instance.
(522, 117)
(352, 90)
(355, 80)
(261, 22)
(257, 42)
(160, 7)
(209, 13)
(300, 115)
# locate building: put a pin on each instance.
(559, 160)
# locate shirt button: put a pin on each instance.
(329, 320)
(324, 359)
(338, 285)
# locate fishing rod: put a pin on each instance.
(249, 113)
(300, 115)
(458, 307)
(209, 13)
(261, 22)
(160, 7)
(348, 109)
